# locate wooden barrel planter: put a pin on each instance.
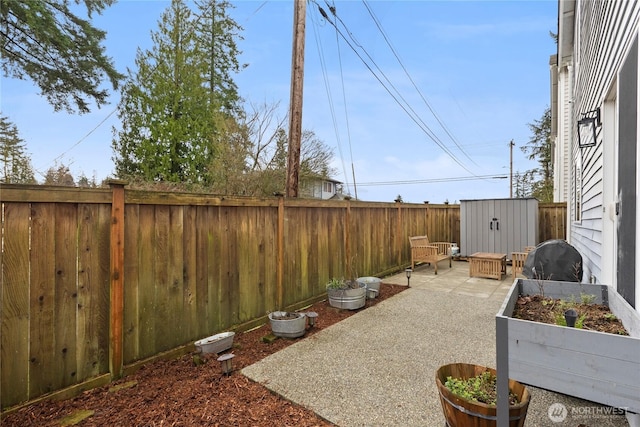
(460, 412)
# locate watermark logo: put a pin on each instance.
(557, 412)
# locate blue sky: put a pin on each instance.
(481, 66)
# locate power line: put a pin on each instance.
(435, 180)
(327, 86)
(395, 54)
(412, 115)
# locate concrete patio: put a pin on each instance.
(377, 367)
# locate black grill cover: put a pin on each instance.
(554, 260)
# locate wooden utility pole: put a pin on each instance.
(295, 112)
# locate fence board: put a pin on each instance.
(204, 300)
(93, 291)
(14, 372)
(42, 309)
(133, 267)
(66, 295)
(190, 294)
(177, 312)
(146, 281)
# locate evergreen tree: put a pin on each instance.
(172, 122)
(61, 52)
(217, 34)
(539, 149)
(59, 175)
(16, 164)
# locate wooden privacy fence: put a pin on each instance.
(97, 281)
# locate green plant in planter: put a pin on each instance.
(336, 283)
(481, 388)
(342, 284)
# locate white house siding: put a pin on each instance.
(602, 32)
(562, 165)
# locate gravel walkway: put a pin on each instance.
(377, 367)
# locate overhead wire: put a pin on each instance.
(434, 180)
(395, 97)
(329, 97)
(346, 115)
(415, 86)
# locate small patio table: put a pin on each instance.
(488, 265)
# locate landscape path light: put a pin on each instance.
(312, 315)
(408, 272)
(226, 361)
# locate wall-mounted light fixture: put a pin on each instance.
(587, 128)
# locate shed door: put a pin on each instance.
(627, 172)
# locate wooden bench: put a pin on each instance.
(430, 252)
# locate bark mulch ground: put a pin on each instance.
(191, 390)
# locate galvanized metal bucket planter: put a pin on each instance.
(215, 343)
(349, 299)
(372, 284)
(591, 365)
(288, 325)
(460, 412)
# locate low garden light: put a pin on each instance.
(226, 361)
(312, 316)
(408, 272)
(570, 316)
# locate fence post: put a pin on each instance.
(399, 235)
(349, 264)
(116, 273)
(280, 255)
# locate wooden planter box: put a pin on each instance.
(595, 366)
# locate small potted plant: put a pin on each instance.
(468, 394)
(347, 294)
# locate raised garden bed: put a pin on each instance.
(591, 365)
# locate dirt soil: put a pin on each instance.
(597, 317)
(191, 390)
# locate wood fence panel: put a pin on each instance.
(14, 357)
(191, 255)
(230, 287)
(372, 236)
(133, 268)
(147, 281)
(322, 272)
(177, 312)
(194, 265)
(42, 308)
(248, 265)
(93, 291)
(208, 269)
(552, 220)
(162, 298)
(66, 294)
(295, 252)
(222, 253)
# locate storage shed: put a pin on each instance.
(498, 225)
